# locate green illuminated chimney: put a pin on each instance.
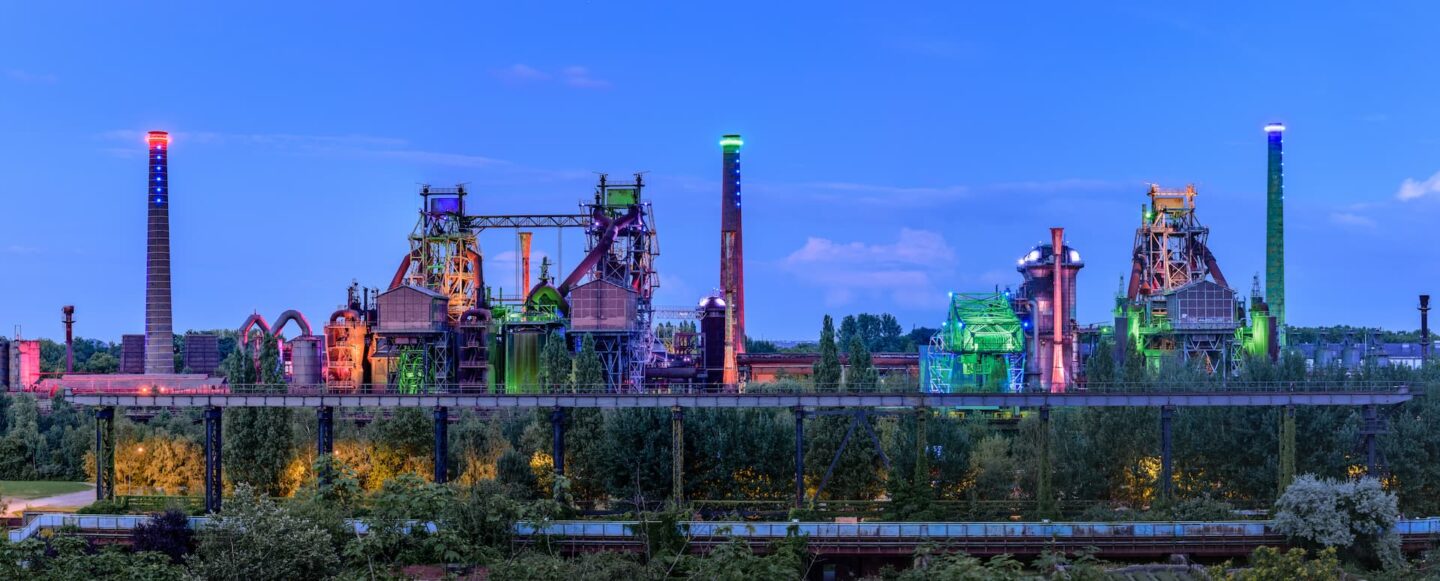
(1275, 229)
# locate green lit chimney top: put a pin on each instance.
(731, 143)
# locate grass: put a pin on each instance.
(31, 489)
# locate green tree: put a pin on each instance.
(259, 442)
(556, 371)
(863, 376)
(826, 371)
(589, 371)
(1358, 517)
(258, 539)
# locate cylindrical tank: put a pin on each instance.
(1038, 289)
(712, 332)
(305, 366)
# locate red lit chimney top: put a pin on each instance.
(158, 139)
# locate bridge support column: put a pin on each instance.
(922, 447)
(799, 456)
(557, 439)
(214, 485)
(1372, 428)
(325, 434)
(1287, 449)
(1044, 489)
(677, 454)
(104, 453)
(442, 443)
(1167, 468)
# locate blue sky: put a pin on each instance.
(893, 151)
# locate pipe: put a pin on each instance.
(286, 317)
(1057, 307)
(612, 228)
(400, 272)
(1214, 267)
(253, 320)
(1133, 290)
(476, 268)
(525, 265)
(348, 314)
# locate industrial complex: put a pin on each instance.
(437, 326)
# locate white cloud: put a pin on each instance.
(1352, 219)
(573, 76)
(18, 249)
(913, 247)
(1411, 189)
(900, 271)
(916, 196)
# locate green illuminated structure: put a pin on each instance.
(412, 375)
(980, 347)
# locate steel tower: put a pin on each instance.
(159, 335)
(732, 256)
(1275, 229)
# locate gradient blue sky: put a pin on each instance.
(894, 151)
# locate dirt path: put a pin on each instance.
(15, 506)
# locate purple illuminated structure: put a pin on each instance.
(159, 335)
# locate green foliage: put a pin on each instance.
(67, 557)
(960, 566)
(589, 371)
(556, 371)
(863, 376)
(826, 371)
(1357, 517)
(258, 539)
(513, 470)
(258, 442)
(1269, 564)
(167, 533)
(543, 567)
(734, 560)
(878, 333)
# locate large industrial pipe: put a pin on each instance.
(254, 320)
(348, 314)
(400, 272)
(1057, 305)
(1133, 290)
(477, 269)
(1213, 266)
(286, 317)
(525, 265)
(612, 228)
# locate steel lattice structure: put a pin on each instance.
(980, 346)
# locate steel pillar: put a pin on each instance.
(799, 456)
(214, 484)
(922, 451)
(104, 453)
(1287, 448)
(557, 439)
(325, 435)
(1167, 468)
(442, 443)
(677, 454)
(1370, 430)
(1044, 490)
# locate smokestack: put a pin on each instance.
(1275, 229)
(1425, 344)
(524, 266)
(159, 336)
(69, 311)
(1057, 307)
(732, 255)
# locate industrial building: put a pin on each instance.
(439, 326)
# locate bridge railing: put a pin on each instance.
(783, 388)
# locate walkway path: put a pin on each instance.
(15, 506)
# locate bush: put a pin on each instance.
(167, 533)
(1268, 563)
(1357, 517)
